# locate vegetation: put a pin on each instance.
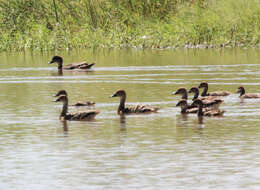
(33, 24)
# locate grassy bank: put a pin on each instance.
(33, 24)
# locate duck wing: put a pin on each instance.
(249, 95)
(214, 103)
(211, 113)
(82, 65)
(82, 116)
(141, 109)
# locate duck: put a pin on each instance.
(183, 92)
(209, 113)
(132, 109)
(77, 116)
(208, 101)
(217, 93)
(244, 95)
(64, 92)
(79, 66)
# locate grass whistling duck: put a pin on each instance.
(132, 109)
(80, 66)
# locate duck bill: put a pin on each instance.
(174, 93)
(112, 96)
(238, 91)
(50, 62)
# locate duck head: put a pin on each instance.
(182, 103)
(193, 90)
(61, 92)
(61, 98)
(203, 85)
(180, 91)
(241, 90)
(56, 59)
(119, 93)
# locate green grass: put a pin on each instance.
(31, 24)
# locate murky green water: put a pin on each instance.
(156, 151)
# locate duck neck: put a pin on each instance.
(196, 94)
(242, 91)
(121, 107)
(204, 92)
(64, 109)
(184, 96)
(200, 113)
(184, 108)
(60, 65)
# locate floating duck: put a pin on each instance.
(132, 109)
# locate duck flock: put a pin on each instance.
(205, 104)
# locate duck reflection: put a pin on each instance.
(65, 128)
(181, 120)
(122, 123)
(59, 73)
(200, 122)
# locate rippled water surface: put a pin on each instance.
(155, 151)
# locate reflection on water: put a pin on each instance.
(159, 150)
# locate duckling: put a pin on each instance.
(183, 92)
(244, 95)
(63, 92)
(209, 113)
(208, 101)
(81, 66)
(133, 109)
(217, 93)
(78, 116)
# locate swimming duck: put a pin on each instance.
(81, 66)
(63, 92)
(183, 92)
(244, 95)
(208, 101)
(209, 113)
(133, 109)
(78, 116)
(217, 93)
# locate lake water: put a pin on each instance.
(157, 151)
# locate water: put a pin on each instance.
(156, 151)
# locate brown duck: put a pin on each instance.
(63, 92)
(79, 66)
(244, 95)
(204, 85)
(133, 109)
(208, 101)
(209, 113)
(78, 116)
